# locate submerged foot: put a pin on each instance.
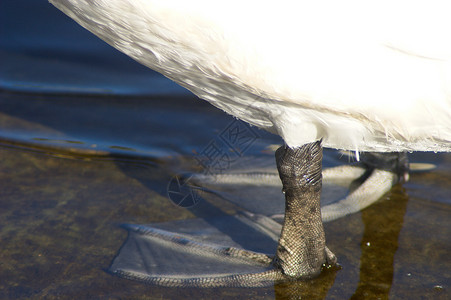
(228, 266)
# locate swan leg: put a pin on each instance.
(302, 251)
(395, 162)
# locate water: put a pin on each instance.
(89, 140)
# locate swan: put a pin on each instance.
(352, 75)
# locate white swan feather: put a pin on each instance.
(360, 75)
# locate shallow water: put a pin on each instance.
(74, 167)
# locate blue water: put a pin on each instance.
(89, 140)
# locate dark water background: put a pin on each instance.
(89, 140)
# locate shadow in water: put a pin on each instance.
(317, 288)
(383, 223)
(208, 208)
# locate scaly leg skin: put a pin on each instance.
(302, 250)
(395, 162)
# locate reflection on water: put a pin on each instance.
(381, 232)
(61, 205)
(73, 168)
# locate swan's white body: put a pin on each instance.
(360, 75)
